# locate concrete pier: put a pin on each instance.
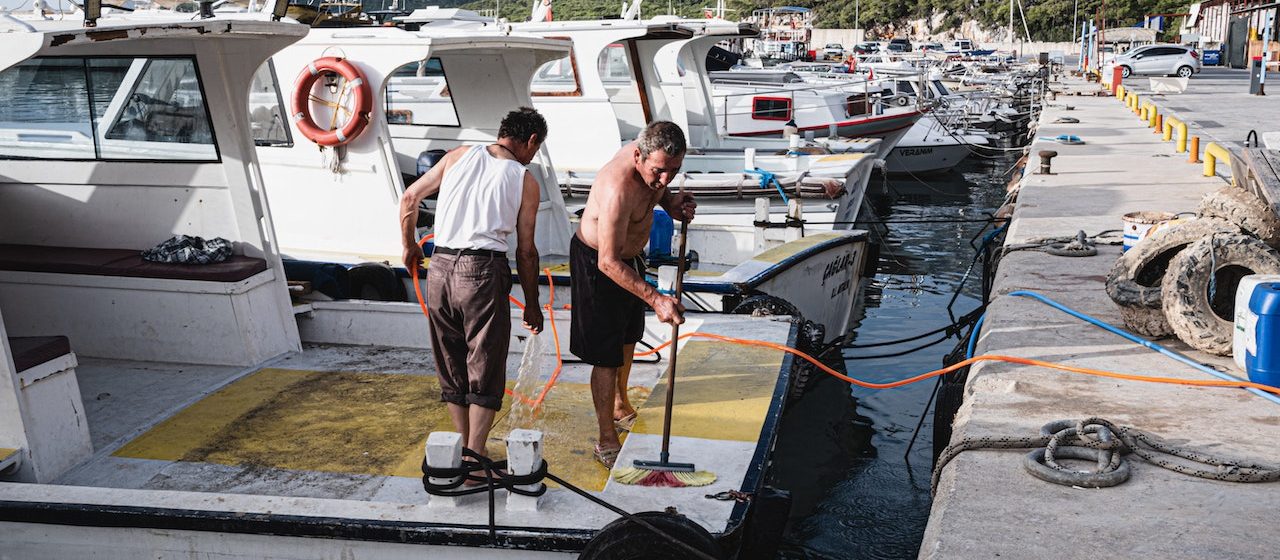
(987, 505)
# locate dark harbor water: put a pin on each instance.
(843, 451)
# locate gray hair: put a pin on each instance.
(662, 136)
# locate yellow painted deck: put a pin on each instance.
(371, 423)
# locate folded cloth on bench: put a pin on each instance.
(31, 351)
(185, 249)
(120, 262)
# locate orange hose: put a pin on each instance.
(983, 358)
(537, 403)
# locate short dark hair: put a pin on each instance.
(522, 123)
(663, 136)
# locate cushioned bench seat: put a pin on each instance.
(31, 351)
(121, 262)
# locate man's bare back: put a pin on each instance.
(619, 191)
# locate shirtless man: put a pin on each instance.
(609, 290)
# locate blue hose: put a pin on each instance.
(973, 336)
(1128, 336)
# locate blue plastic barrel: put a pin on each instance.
(1262, 352)
(664, 228)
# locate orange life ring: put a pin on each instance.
(362, 102)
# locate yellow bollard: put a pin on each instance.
(1151, 115)
(1174, 123)
(1212, 153)
(1120, 93)
(1194, 156)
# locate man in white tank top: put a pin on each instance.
(485, 193)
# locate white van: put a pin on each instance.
(959, 46)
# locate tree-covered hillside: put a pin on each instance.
(1048, 20)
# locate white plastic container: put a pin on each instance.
(1138, 225)
(1245, 319)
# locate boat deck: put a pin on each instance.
(337, 432)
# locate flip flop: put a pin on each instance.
(607, 457)
(625, 423)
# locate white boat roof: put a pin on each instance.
(625, 28)
(471, 36)
(27, 38)
(712, 26)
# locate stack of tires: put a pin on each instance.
(1181, 280)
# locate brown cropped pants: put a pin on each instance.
(470, 326)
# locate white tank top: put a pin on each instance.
(478, 202)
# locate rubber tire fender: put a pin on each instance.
(1135, 280)
(1245, 210)
(624, 539)
(375, 282)
(1185, 289)
(764, 305)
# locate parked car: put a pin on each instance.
(899, 45)
(869, 47)
(1160, 60)
(960, 46)
(833, 51)
(930, 47)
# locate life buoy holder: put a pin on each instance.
(357, 115)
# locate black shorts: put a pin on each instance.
(605, 316)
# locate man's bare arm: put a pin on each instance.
(678, 205)
(426, 185)
(527, 252)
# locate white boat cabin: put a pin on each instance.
(114, 140)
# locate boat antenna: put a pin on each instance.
(92, 11)
(279, 9)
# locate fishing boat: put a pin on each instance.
(154, 409)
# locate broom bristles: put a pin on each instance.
(668, 479)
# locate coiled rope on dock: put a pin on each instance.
(1105, 442)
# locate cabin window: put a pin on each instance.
(613, 64)
(418, 94)
(856, 105)
(556, 78)
(154, 110)
(46, 110)
(266, 113)
(771, 108)
(109, 108)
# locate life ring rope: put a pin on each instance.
(357, 115)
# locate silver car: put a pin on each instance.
(1163, 60)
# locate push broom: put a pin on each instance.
(664, 472)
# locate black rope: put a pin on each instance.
(986, 220)
(951, 330)
(496, 477)
(902, 353)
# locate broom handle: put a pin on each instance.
(675, 338)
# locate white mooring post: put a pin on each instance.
(524, 455)
(444, 451)
(762, 216)
(795, 211)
